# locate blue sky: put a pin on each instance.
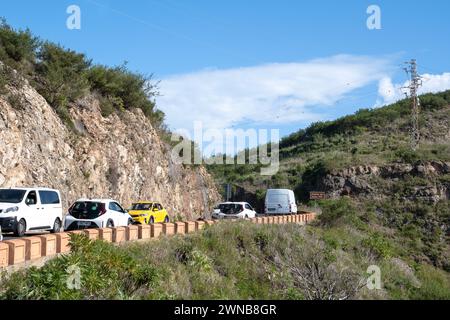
(240, 63)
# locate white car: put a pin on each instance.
(27, 209)
(96, 213)
(233, 210)
(280, 201)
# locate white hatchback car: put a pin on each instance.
(233, 210)
(96, 213)
(27, 209)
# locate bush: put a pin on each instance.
(378, 245)
(124, 90)
(432, 102)
(407, 155)
(61, 75)
(106, 273)
(335, 212)
(17, 48)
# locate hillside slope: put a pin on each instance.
(340, 157)
(120, 156)
(378, 190)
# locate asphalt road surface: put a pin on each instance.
(10, 236)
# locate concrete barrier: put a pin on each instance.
(199, 225)
(144, 232)
(105, 234)
(4, 255)
(168, 229)
(62, 242)
(156, 230)
(78, 232)
(92, 234)
(48, 245)
(33, 248)
(16, 251)
(189, 226)
(131, 233)
(118, 235)
(180, 228)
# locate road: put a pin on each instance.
(10, 236)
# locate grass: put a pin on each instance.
(233, 261)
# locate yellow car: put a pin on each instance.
(148, 212)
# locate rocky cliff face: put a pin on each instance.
(426, 181)
(120, 156)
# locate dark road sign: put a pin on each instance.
(316, 195)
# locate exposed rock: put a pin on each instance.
(120, 157)
(358, 181)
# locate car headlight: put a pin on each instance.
(12, 209)
(143, 215)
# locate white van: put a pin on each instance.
(280, 201)
(26, 209)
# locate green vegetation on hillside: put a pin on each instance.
(62, 76)
(392, 217)
(237, 261)
(368, 137)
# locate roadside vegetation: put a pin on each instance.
(406, 235)
(327, 260)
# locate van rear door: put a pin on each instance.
(277, 203)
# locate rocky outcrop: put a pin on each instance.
(120, 156)
(365, 181)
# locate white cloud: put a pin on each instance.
(435, 82)
(266, 94)
(432, 83)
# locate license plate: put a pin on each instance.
(272, 209)
(84, 223)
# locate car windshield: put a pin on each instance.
(86, 210)
(230, 208)
(11, 195)
(141, 206)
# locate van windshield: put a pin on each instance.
(11, 195)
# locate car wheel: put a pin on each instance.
(152, 220)
(130, 222)
(56, 226)
(246, 216)
(110, 224)
(166, 219)
(21, 227)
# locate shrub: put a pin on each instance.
(335, 212)
(123, 89)
(379, 245)
(407, 155)
(432, 102)
(61, 75)
(106, 273)
(17, 48)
